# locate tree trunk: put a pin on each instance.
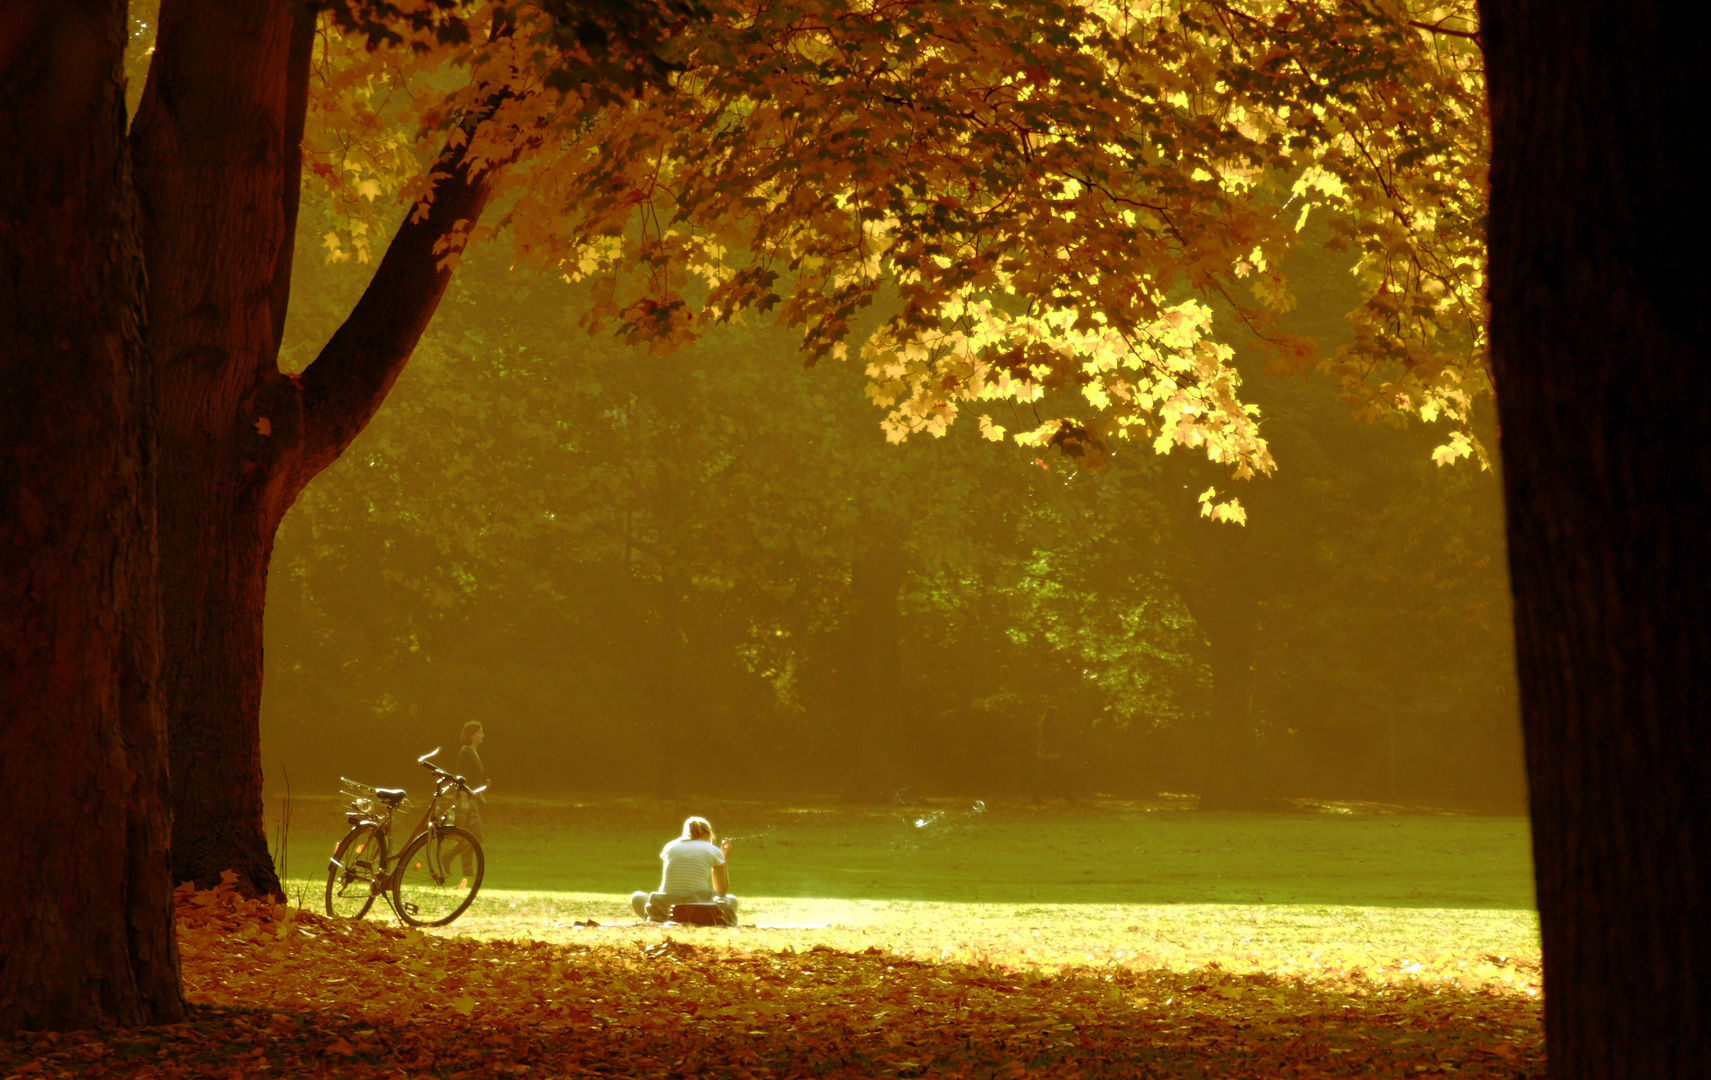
(1600, 303)
(873, 672)
(1227, 613)
(672, 726)
(216, 143)
(1217, 574)
(85, 901)
(210, 150)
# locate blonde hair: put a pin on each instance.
(697, 828)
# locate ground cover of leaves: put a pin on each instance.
(276, 991)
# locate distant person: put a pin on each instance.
(474, 773)
(694, 874)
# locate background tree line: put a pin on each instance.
(715, 547)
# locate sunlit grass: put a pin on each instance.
(944, 850)
(1381, 943)
(1382, 895)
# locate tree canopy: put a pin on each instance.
(1057, 196)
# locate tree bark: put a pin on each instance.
(209, 145)
(216, 146)
(1600, 300)
(85, 901)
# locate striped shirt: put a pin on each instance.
(689, 867)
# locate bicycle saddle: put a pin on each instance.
(391, 796)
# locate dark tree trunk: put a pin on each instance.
(1217, 580)
(672, 726)
(873, 673)
(85, 901)
(210, 150)
(216, 145)
(1218, 572)
(1600, 303)
(1227, 613)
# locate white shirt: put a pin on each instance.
(689, 867)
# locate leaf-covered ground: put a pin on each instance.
(280, 992)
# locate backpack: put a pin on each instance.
(702, 915)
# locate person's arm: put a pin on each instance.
(473, 770)
(722, 879)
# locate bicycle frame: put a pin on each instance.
(431, 819)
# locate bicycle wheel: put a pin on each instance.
(356, 874)
(434, 885)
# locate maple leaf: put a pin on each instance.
(1459, 446)
(340, 1047)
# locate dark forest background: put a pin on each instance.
(706, 572)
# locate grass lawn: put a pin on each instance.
(1102, 882)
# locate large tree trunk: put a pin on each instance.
(216, 143)
(85, 901)
(1600, 303)
(211, 156)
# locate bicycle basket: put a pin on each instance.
(359, 798)
(362, 803)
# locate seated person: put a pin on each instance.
(694, 874)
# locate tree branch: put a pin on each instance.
(1439, 28)
(341, 391)
(343, 388)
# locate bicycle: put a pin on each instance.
(416, 882)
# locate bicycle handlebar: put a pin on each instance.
(440, 773)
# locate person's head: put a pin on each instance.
(473, 733)
(698, 828)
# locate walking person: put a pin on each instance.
(474, 773)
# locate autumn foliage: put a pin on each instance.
(297, 994)
(1083, 208)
